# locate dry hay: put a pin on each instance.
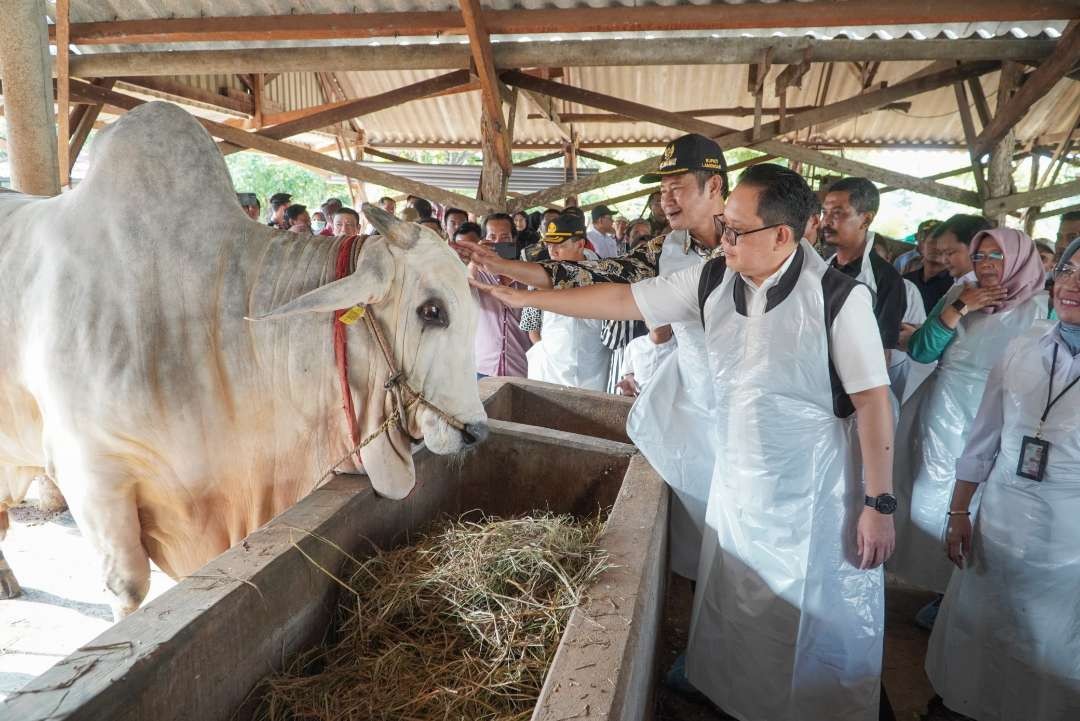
(462, 625)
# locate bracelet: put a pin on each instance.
(957, 513)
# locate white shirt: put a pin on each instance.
(642, 357)
(984, 437)
(605, 245)
(856, 343)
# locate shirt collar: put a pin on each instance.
(692, 243)
(772, 279)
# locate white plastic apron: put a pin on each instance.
(671, 423)
(1006, 644)
(570, 353)
(785, 626)
(901, 361)
(931, 434)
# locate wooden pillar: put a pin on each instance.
(28, 99)
(1000, 168)
(63, 104)
(570, 157)
(493, 179)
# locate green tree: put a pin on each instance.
(264, 176)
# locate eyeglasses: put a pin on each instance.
(1064, 273)
(731, 236)
(992, 255)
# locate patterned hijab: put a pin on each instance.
(1023, 275)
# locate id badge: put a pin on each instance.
(1034, 452)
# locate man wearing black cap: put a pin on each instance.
(570, 352)
(670, 421)
(278, 203)
(602, 232)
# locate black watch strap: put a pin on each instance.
(884, 504)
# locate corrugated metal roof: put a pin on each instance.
(454, 119)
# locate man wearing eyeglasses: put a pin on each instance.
(849, 208)
(789, 608)
(672, 418)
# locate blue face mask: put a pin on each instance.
(1071, 335)
(317, 225)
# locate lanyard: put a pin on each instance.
(1051, 399)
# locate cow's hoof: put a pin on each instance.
(9, 586)
(50, 500)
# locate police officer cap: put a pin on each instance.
(690, 152)
(567, 226)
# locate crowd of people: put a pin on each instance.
(821, 411)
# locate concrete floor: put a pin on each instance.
(64, 604)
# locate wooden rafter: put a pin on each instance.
(1037, 84)
(1042, 196)
(62, 90)
(82, 122)
(840, 109)
(255, 141)
(730, 112)
(484, 62)
(969, 134)
(728, 138)
(950, 173)
(600, 158)
(583, 53)
(539, 159)
(243, 105)
(582, 19)
(337, 113)
(1057, 211)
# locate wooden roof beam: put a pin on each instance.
(333, 113)
(484, 62)
(1042, 196)
(732, 112)
(842, 109)
(256, 141)
(577, 53)
(729, 138)
(1037, 84)
(554, 20)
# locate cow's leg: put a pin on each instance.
(50, 500)
(9, 587)
(108, 517)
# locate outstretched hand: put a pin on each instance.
(513, 297)
(481, 255)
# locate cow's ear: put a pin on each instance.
(367, 285)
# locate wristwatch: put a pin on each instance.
(884, 504)
(960, 307)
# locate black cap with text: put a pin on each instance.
(690, 152)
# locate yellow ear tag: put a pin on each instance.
(352, 315)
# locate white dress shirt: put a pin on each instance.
(606, 246)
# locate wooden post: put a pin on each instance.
(494, 178)
(63, 99)
(999, 178)
(28, 99)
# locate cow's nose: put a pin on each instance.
(475, 433)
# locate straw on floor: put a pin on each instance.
(461, 625)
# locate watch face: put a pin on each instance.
(886, 504)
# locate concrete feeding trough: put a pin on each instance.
(197, 651)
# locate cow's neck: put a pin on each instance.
(287, 269)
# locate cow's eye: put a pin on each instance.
(433, 314)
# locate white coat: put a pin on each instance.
(1006, 644)
(931, 433)
(672, 423)
(785, 625)
(570, 353)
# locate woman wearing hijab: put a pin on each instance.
(1007, 642)
(966, 332)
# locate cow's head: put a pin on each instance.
(416, 289)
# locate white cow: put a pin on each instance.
(173, 425)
